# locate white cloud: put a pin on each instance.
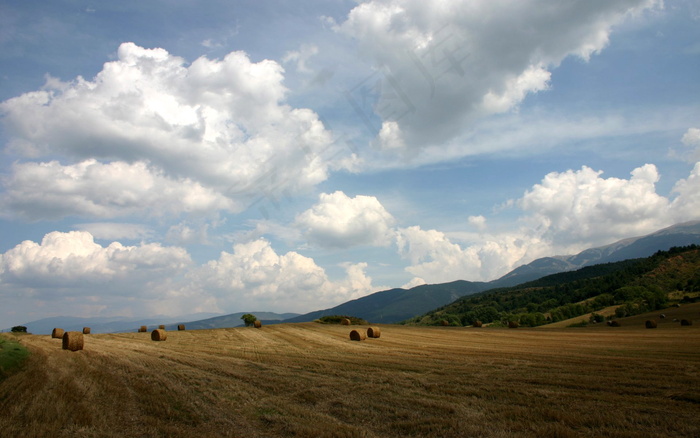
(479, 222)
(184, 234)
(220, 126)
(114, 230)
(691, 139)
(340, 221)
(255, 276)
(435, 258)
(686, 205)
(73, 260)
(446, 64)
(301, 57)
(90, 188)
(581, 208)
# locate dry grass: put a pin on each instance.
(311, 380)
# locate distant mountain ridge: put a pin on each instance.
(393, 305)
(119, 324)
(112, 324)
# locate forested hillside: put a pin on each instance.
(635, 286)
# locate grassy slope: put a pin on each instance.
(12, 354)
(665, 272)
(311, 380)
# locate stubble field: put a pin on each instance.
(310, 380)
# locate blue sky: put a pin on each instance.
(176, 157)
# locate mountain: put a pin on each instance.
(120, 324)
(104, 324)
(687, 233)
(233, 320)
(394, 305)
(633, 286)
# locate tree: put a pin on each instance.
(19, 329)
(249, 319)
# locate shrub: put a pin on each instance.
(338, 319)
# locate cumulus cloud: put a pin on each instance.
(218, 127)
(686, 205)
(580, 207)
(254, 275)
(340, 221)
(435, 258)
(691, 140)
(74, 260)
(51, 190)
(444, 65)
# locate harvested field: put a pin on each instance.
(311, 380)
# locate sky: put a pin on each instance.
(173, 157)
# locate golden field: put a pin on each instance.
(311, 380)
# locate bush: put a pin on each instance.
(337, 319)
(19, 329)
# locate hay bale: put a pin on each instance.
(345, 321)
(478, 323)
(73, 341)
(257, 324)
(57, 333)
(513, 324)
(445, 323)
(159, 335)
(162, 327)
(686, 322)
(181, 327)
(374, 332)
(615, 323)
(650, 324)
(143, 329)
(86, 330)
(358, 335)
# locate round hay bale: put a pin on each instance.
(358, 335)
(159, 335)
(615, 323)
(650, 324)
(73, 341)
(162, 327)
(374, 332)
(345, 321)
(57, 333)
(181, 327)
(478, 323)
(257, 324)
(686, 322)
(445, 323)
(513, 324)
(143, 329)
(86, 330)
